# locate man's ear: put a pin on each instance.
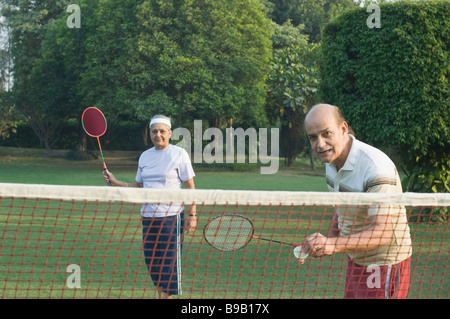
(344, 127)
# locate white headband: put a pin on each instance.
(160, 120)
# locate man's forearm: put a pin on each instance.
(368, 239)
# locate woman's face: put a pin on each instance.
(160, 135)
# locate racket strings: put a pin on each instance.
(228, 232)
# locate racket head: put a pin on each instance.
(93, 122)
(228, 232)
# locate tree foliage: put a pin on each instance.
(189, 59)
(8, 121)
(39, 85)
(312, 14)
(293, 84)
(205, 58)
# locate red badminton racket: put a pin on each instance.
(94, 124)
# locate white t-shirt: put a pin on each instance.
(169, 169)
(368, 169)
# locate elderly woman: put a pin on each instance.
(163, 166)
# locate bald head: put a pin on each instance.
(325, 110)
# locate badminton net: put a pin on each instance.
(87, 242)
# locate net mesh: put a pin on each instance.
(87, 242)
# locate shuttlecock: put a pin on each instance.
(298, 252)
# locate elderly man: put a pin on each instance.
(376, 239)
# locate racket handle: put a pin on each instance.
(106, 174)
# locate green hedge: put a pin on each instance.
(392, 82)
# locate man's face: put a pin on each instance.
(160, 135)
(327, 136)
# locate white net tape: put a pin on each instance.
(218, 197)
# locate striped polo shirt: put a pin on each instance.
(368, 169)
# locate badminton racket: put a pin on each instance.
(94, 124)
(229, 232)
(232, 232)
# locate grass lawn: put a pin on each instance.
(36, 168)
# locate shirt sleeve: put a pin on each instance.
(185, 170)
(139, 178)
(139, 175)
(384, 184)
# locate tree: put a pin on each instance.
(5, 57)
(107, 75)
(205, 58)
(187, 59)
(291, 86)
(40, 86)
(292, 92)
(293, 80)
(313, 14)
